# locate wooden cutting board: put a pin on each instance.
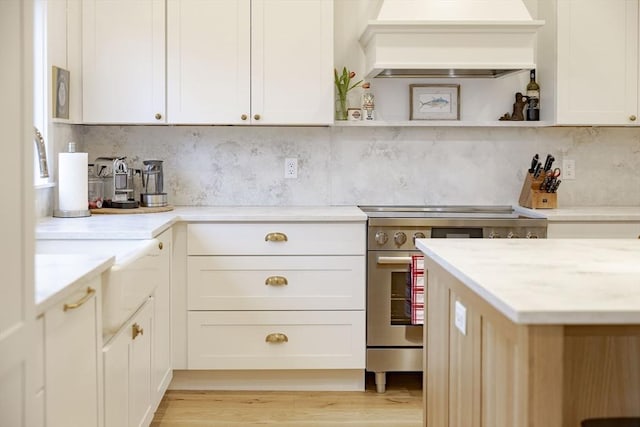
(140, 210)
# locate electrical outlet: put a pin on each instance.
(461, 317)
(568, 169)
(291, 168)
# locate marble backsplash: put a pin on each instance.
(241, 165)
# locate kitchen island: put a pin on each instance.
(531, 333)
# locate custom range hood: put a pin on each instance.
(449, 38)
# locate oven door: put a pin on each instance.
(388, 324)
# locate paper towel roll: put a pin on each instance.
(72, 182)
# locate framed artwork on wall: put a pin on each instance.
(434, 102)
(60, 84)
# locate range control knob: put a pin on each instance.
(400, 238)
(420, 235)
(530, 235)
(494, 235)
(512, 235)
(381, 237)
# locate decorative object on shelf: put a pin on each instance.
(434, 102)
(60, 81)
(518, 109)
(343, 86)
(368, 104)
(354, 114)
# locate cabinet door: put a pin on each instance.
(292, 62)
(17, 315)
(140, 362)
(597, 62)
(73, 339)
(123, 61)
(116, 379)
(208, 61)
(162, 369)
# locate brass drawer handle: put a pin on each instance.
(256, 117)
(276, 338)
(136, 330)
(73, 306)
(276, 281)
(244, 117)
(632, 118)
(275, 237)
(160, 246)
(158, 116)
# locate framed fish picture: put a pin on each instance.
(434, 102)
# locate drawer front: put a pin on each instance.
(277, 239)
(314, 340)
(276, 283)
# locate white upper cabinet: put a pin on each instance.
(123, 50)
(250, 61)
(596, 62)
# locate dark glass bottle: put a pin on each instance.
(533, 99)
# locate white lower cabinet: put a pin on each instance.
(594, 230)
(72, 368)
(276, 340)
(276, 296)
(128, 361)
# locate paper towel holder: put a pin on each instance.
(80, 213)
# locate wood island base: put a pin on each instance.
(503, 374)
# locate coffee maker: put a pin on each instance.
(152, 184)
(117, 178)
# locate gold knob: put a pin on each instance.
(276, 281)
(632, 118)
(136, 330)
(158, 116)
(276, 237)
(243, 117)
(90, 291)
(160, 246)
(257, 117)
(276, 338)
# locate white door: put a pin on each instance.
(123, 61)
(208, 61)
(17, 311)
(597, 62)
(292, 62)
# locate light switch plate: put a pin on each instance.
(461, 317)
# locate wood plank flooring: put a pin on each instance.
(400, 406)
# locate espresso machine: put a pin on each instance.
(117, 178)
(153, 194)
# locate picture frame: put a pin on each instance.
(434, 102)
(60, 85)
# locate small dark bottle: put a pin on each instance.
(532, 112)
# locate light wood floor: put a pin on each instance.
(400, 406)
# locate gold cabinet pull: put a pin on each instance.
(244, 117)
(158, 116)
(276, 281)
(276, 338)
(90, 291)
(275, 237)
(632, 118)
(257, 117)
(160, 246)
(136, 330)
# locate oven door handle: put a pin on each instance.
(394, 260)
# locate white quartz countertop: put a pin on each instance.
(548, 281)
(148, 226)
(587, 213)
(57, 276)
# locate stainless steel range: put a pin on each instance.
(393, 343)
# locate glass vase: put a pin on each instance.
(342, 105)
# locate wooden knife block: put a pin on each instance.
(532, 197)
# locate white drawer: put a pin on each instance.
(238, 340)
(336, 238)
(276, 283)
